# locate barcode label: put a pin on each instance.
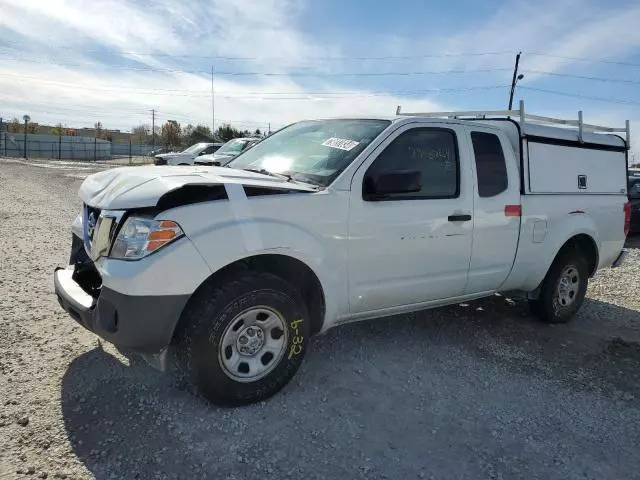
(341, 143)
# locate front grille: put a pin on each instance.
(90, 218)
(99, 228)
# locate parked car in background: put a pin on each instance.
(158, 151)
(186, 157)
(228, 151)
(634, 172)
(634, 200)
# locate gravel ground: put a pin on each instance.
(475, 391)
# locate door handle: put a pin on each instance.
(459, 217)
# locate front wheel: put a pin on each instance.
(563, 289)
(245, 339)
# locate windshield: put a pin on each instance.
(312, 151)
(196, 148)
(232, 147)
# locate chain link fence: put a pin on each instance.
(40, 146)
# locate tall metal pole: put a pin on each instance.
(153, 130)
(514, 80)
(213, 108)
(26, 119)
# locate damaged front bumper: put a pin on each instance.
(138, 323)
(142, 324)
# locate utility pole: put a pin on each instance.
(153, 129)
(213, 108)
(515, 79)
(26, 119)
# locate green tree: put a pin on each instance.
(257, 133)
(203, 130)
(226, 132)
(32, 127)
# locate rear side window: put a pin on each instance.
(491, 167)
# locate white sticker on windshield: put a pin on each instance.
(341, 143)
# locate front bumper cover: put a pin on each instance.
(143, 324)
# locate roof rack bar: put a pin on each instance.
(524, 117)
(472, 113)
(580, 127)
(628, 127)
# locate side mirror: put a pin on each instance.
(395, 181)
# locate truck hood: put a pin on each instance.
(138, 187)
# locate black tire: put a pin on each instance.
(209, 315)
(549, 306)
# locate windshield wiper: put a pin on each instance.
(284, 176)
(267, 172)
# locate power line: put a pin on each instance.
(254, 95)
(223, 57)
(96, 112)
(585, 77)
(586, 97)
(581, 59)
(266, 74)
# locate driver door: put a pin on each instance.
(411, 248)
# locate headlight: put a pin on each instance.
(139, 237)
(76, 227)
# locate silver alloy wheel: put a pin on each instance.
(568, 286)
(253, 344)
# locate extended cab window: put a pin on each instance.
(490, 164)
(432, 152)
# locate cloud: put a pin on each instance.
(123, 100)
(112, 23)
(82, 86)
(85, 91)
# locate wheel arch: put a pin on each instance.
(587, 245)
(290, 269)
(583, 242)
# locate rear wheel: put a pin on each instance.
(563, 289)
(245, 339)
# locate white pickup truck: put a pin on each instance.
(228, 272)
